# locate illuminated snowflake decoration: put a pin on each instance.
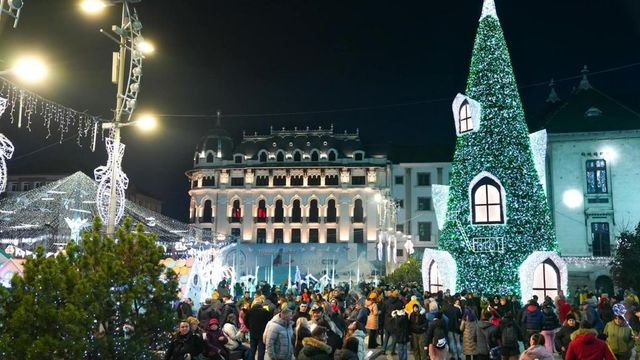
(440, 195)
(102, 175)
(6, 152)
(538, 141)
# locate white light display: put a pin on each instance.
(76, 225)
(102, 175)
(538, 143)
(3, 105)
(528, 268)
(488, 9)
(446, 266)
(6, 152)
(440, 195)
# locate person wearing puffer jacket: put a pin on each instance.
(315, 347)
(536, 350)
(619, 337)
(468, 328)
(418, 328)
(585, 345)
(234, 337)
(277, 336)
(356, 330)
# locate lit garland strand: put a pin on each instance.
(502, 148)
(23, 103)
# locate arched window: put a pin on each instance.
(546, 280)
(332, 155)
(263, 156)
(315, 155)
(296, 212)
(262, 211)
(435, 283)
(297, 156)
(280, 156)
(313, 211)
(207, 212)
(210, 158)
(358, 211)
(466, 123)
(487, 205)
(331, 211)
(278, 215)
(358, 156)
(236, 211)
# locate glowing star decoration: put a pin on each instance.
(440, 194)
(102, 175)
(3, 105)
(538, 142)
(6, 152)
(76, 225)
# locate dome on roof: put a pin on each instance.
(216, 145)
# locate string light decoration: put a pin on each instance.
(26, 105)
(539, 150)
(45, 209)
(102, 174)
(6, 152)
(446, 266)
(440, 195)
(528, 269)
(500, 147)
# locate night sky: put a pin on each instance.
(390, 69)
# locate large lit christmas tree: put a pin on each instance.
(497, 213)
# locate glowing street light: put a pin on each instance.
(93, 6)
(572, 198)
(146, 122)
(30, 69)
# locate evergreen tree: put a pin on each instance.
(99, 300)
(408, 272)
(500, 147)
(626, 262)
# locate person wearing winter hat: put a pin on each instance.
(563, 336)
(619, 337)
(214, 340)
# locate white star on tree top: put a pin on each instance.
(488, 9)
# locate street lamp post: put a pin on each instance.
(130, 39)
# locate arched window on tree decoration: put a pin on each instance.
(487, 202)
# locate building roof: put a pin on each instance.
(588, 109)
(305, 140)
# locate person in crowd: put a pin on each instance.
(333, 339)
(392, 304)
(302, 310)
(550, 325)
(229, 307)
(605, 309)
(418, 330)
(372, 321)
(536, 349)
(207, 312)
(634, 323)
(468, 329)
(585, 345)
(256, 319)
(185, 309)
(563, 336)
(619, 337)
(246, 299)
(436, 337)
(318, 315)
(361, 312)
(508, 335)
(356, 330)
(349, 350)
(235, 337)
(315, 347)
(402, 331)
(564, 308)
(485, 336)
(278, 336)
(532, 319)
(185, 345)
(214, 340)
(194, 326)
(453, 311)
(590, 314)
(300, 332)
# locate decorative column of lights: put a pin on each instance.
(6, 151)
(131, 40)
(11, 8)
(110, 191)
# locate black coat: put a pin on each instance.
(345, 354)
(563, 337)
(402, 328)
(418, 323)
(256, 320)
(391, 304)
(184, 344)
(206, 313)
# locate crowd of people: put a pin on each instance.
(343, 324)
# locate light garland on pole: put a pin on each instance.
(107, 188)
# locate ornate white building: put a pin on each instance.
(288, 186)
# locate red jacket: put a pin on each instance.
(586, 346)
(564, 308)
